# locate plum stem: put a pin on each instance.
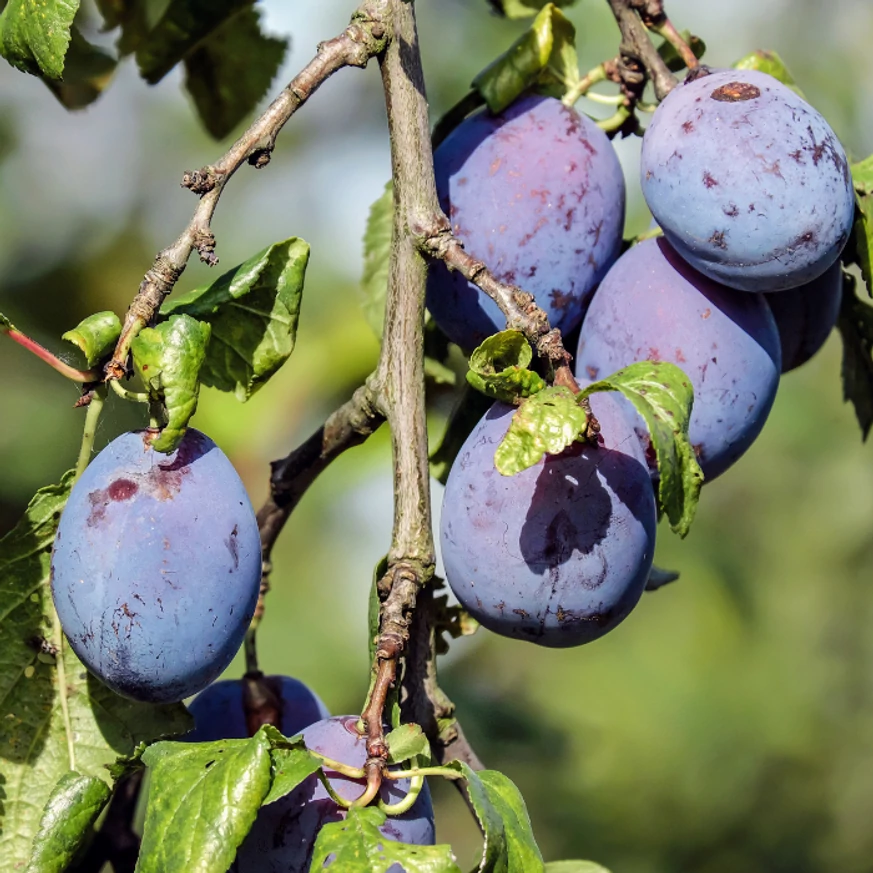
(84, 376)
(338, 767)
(416, 783)
(127, 394)
(92, 416)
(415, 772)
(362, 40)
(339, 801)
(584, 85)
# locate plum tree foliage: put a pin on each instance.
(130, 585)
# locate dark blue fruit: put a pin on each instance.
(284, 832)
(219, 715)
(537, 193)
(805, 316)
(653, 306)
(156, 566)
(748, 181)
(559, 553)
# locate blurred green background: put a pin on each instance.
(727, 725)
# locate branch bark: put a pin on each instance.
(363, 39)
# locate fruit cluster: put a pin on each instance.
(753, 193)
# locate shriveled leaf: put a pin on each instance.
(183, 26)
(544, 54)
(35, 35)
(546, 423)
(87, 72)
(55, 717)
(253, 310)
(204, 799)
(289, 768)
(574, 867)
(356, 845)
(663, 395)
(407, 741)
(658, 578)
(771, 64)
(377, 248)
(672, 58)
(509, 841)
(498, 368)
(231, 70)
(856, 329)
(168, 359)
(524, 8)
(95, 336)
(67, 822)
(469, 409)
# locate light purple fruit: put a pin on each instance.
(653, 306)
(559, 553)
(156, 566)
(219, 715)
(537, 193)
(805, 316)
(284, 832)
(749, 183)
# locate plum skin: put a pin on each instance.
(219, 715)
(284, 833)
(559, 553)
(749, 183)
(156, 566)
(538, 194)
(654, 306)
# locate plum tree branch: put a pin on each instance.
(364, 38)
(638, 56)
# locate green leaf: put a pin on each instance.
(856, 329)
(204, 799)
(184, 25)
(168, 359)
(253, 310)
(356, 845)
(509, 841)
(574, 867)
(56, 718)
(377, 248)
(545, 54)
(663, 395)
(658, 578)
(498, 368)
(468, 411)
(35, 34)
(289, 768)
(672, 58)
(405, 742)
(135, 18)
(95, 336)
(67, 822)
(771, 64)
(862, 176)
(524, 8)
(546, 423)
(860, 248)
(231, 70)
(87, 72)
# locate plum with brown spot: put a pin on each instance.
(174, 536)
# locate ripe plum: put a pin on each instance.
(284, 832)
(536, 192)
(219, 715)
(805, 316)
(559, 553)
(653, 306)
(749, 183)
(156, 566)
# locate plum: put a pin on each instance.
(805, 316)
(284, 833)
(559, 553)
(537, 193)
(749, 183)
(654, 306)
(156, 566)
(219, 715)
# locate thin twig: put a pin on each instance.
(361, 40)
(655, 18)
